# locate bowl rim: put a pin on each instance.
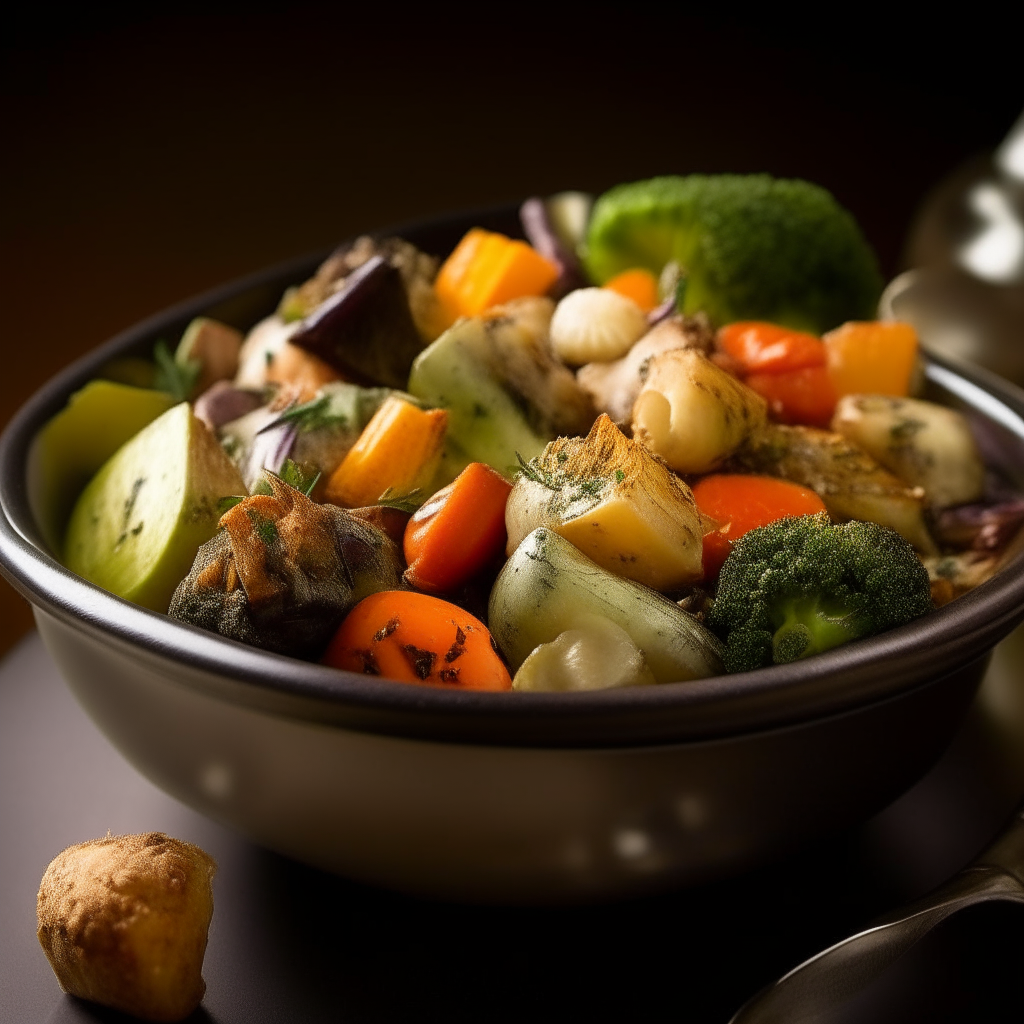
(857, 674)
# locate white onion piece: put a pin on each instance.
(596, 655)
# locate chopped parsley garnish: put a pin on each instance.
(572, 487)
(313, 415)
(408, 502)
(302, 478)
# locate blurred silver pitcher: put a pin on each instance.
(965, 293)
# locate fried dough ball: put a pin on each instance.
(124, 920)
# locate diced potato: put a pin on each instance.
(925, 444)
(261, 346)
(693, 414)
(215, 346)
(616, 502)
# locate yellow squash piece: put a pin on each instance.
(398, 451)
(871, 357)
(487, 269)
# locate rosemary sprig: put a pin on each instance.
(177, 379)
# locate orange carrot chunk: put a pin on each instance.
(398, 450)
(741, 503)
(638, 284)
(804, 396)
(416, 638)
(458, 531)
(786, 367)
(873, 358)
(487, 269)
(768, 348)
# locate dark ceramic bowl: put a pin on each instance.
(515, 796)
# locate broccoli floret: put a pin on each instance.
(752, 247)
(800, 586)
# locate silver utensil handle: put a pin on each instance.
(832, 977)
(1007, 852)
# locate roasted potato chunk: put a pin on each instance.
(692, 413)
(124, 920)
(850, 483)
(616, 502)
(925, 444)
(614, 386)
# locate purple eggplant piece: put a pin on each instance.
(979, 527)
(284, 441)
(365, 331)
(269, 450)
(222, 402)
(662, 311)
(537, 227)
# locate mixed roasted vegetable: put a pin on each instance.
(657, 440)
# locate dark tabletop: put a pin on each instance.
(289, 943)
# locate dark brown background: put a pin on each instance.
(150, 158)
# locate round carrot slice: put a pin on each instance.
(416, 638)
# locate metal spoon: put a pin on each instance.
(821, 985)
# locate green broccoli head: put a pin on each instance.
(800, 586)
(752, 247)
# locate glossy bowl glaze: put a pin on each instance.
(505, 797)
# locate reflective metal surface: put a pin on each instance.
(965, 291)
(821, 985)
